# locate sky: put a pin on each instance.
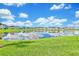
(40, 14)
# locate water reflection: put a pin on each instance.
(36, 35)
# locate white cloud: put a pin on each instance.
(41, 20)
(50, 21)
(74, 24)
(70, 25)
(67, 7)
(23, 15)
(56, 20)
(9, 23)
(28, 23)
(12, 23)
(60, 6)
(6, 14)
(58, 24)
(56, 7)
(14, 4)
(18, 23)
(77, 14)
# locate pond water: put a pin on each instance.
(25, 36)
(35, 35)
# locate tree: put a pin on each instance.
(0, 23)
(1, 34)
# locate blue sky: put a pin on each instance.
(39, 14)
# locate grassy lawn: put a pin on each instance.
(59, 46)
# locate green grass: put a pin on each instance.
(59, 46)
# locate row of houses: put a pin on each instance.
(49, 29)
(40, 29)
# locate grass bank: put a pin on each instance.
(59, 46)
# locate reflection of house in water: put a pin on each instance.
(71, 31)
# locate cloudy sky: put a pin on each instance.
(40, 14)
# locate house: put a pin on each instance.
(2, 26)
